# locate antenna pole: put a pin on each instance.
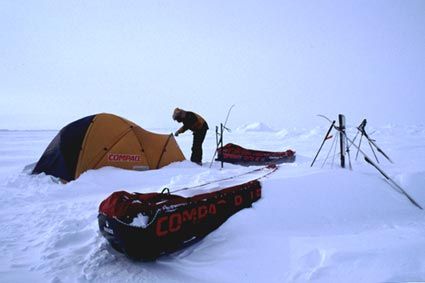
(342, 139)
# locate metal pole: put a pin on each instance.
(221, 141)
(360, 144)
(323, 142)
(391, 181)
(341, 119)
(216, 145)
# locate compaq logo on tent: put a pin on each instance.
(122, 157)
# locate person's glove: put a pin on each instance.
(177, 133)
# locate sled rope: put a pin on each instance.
(166, 190)
(273, 168)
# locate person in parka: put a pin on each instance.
(199, 127)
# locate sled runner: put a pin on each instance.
(232, 153)
(144, 226)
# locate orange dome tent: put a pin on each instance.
(106, 140)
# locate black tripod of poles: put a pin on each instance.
(343, 142)
(219, 136)
(347, 142)
(218, 141)
(372, 144)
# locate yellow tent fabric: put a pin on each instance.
(111, 140)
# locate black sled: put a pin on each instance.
(171, 222)
(235, 154)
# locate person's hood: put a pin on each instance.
(178, 114)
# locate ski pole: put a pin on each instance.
(324, 140)
(372, 142)
(368, 160)
(391, 181)
(221, 137)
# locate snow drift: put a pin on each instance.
(311, 224)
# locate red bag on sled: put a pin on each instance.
(144, 226)
(232, 153)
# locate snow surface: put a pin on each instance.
(312, 224)
(255, 127)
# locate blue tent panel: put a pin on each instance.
(61, 156)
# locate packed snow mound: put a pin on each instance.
(255, 127)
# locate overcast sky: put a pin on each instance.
(280, 62)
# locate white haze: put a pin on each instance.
(280, 62)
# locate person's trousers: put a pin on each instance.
(198, 139)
